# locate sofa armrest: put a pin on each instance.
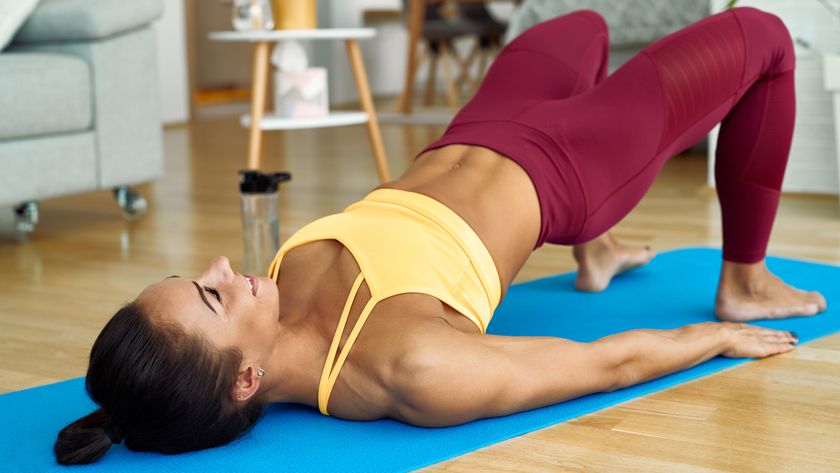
(85, 20)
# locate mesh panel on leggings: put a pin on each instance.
(698, 71)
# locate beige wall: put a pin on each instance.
(218, 64)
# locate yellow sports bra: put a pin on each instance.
(403, 242)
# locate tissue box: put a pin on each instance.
(299, 94)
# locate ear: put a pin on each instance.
(247, 384)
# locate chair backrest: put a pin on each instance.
(432, 10)
(476, 11)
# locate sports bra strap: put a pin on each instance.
(329, 374)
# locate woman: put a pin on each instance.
(549, 150)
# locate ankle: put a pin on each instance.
(744, 278)
(603, 244)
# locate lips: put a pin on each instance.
(253, 282)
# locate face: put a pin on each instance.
(230, 309)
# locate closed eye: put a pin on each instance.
(214, 293)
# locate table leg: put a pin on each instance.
(416, 17)
(354, 55)
(258, 88)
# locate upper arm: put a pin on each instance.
(452, 377)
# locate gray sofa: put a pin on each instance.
(633, 24)
(79, 104)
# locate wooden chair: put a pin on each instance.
(490, 33)
(438, 35)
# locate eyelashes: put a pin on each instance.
(214, 293)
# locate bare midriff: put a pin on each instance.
(489, 191)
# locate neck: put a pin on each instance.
(305, 336)
(294, 368)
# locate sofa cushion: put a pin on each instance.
(48, 166)
(43, 93)
(76, 20)
(12, 14)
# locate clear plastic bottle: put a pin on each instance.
(260, 221)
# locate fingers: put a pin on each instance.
(774, 334)
(773, 342)
(783, 348)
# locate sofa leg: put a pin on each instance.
(133, 204)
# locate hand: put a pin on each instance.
(749, 341)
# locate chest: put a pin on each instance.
(362, 389)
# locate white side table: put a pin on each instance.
(259, 120)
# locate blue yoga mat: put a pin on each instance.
(677, 288)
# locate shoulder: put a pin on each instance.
(383, 366)
(426, 371)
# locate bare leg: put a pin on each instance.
(603, 258)
(751, 292)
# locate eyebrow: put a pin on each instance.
(200, 293)
(203, 297)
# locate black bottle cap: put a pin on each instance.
(255, 182)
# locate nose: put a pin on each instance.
(222, 264)
(218, 270)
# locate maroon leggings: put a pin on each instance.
(593, 144)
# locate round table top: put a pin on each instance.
(279, 35)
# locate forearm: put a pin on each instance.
(642, 355)
(455, 377)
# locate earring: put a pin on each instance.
(241, 397)
(260, 372)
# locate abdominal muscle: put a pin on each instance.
(489, 191)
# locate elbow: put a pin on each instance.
(621, 370)
(621, 377)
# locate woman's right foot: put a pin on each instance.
(603, 258)
(751, 292)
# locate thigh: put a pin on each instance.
(619, 134)
(552, 60)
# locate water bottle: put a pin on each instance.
(260, 222)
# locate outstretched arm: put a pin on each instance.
(453, 377)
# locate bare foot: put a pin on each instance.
(751, 292)
(601, 259)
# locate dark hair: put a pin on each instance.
(159, 389)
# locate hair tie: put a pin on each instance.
(112, 431)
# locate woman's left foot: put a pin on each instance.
(603, 258)
(751, 292)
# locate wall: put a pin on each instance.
(172, 63)
(218, 64)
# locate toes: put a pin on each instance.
(635, 257)
(804, 310)
(819, 300)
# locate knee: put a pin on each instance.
(772, 24)
(771, 31)
(593, 17)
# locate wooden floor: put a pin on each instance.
(57, 291)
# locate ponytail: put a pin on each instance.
(87, 439)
